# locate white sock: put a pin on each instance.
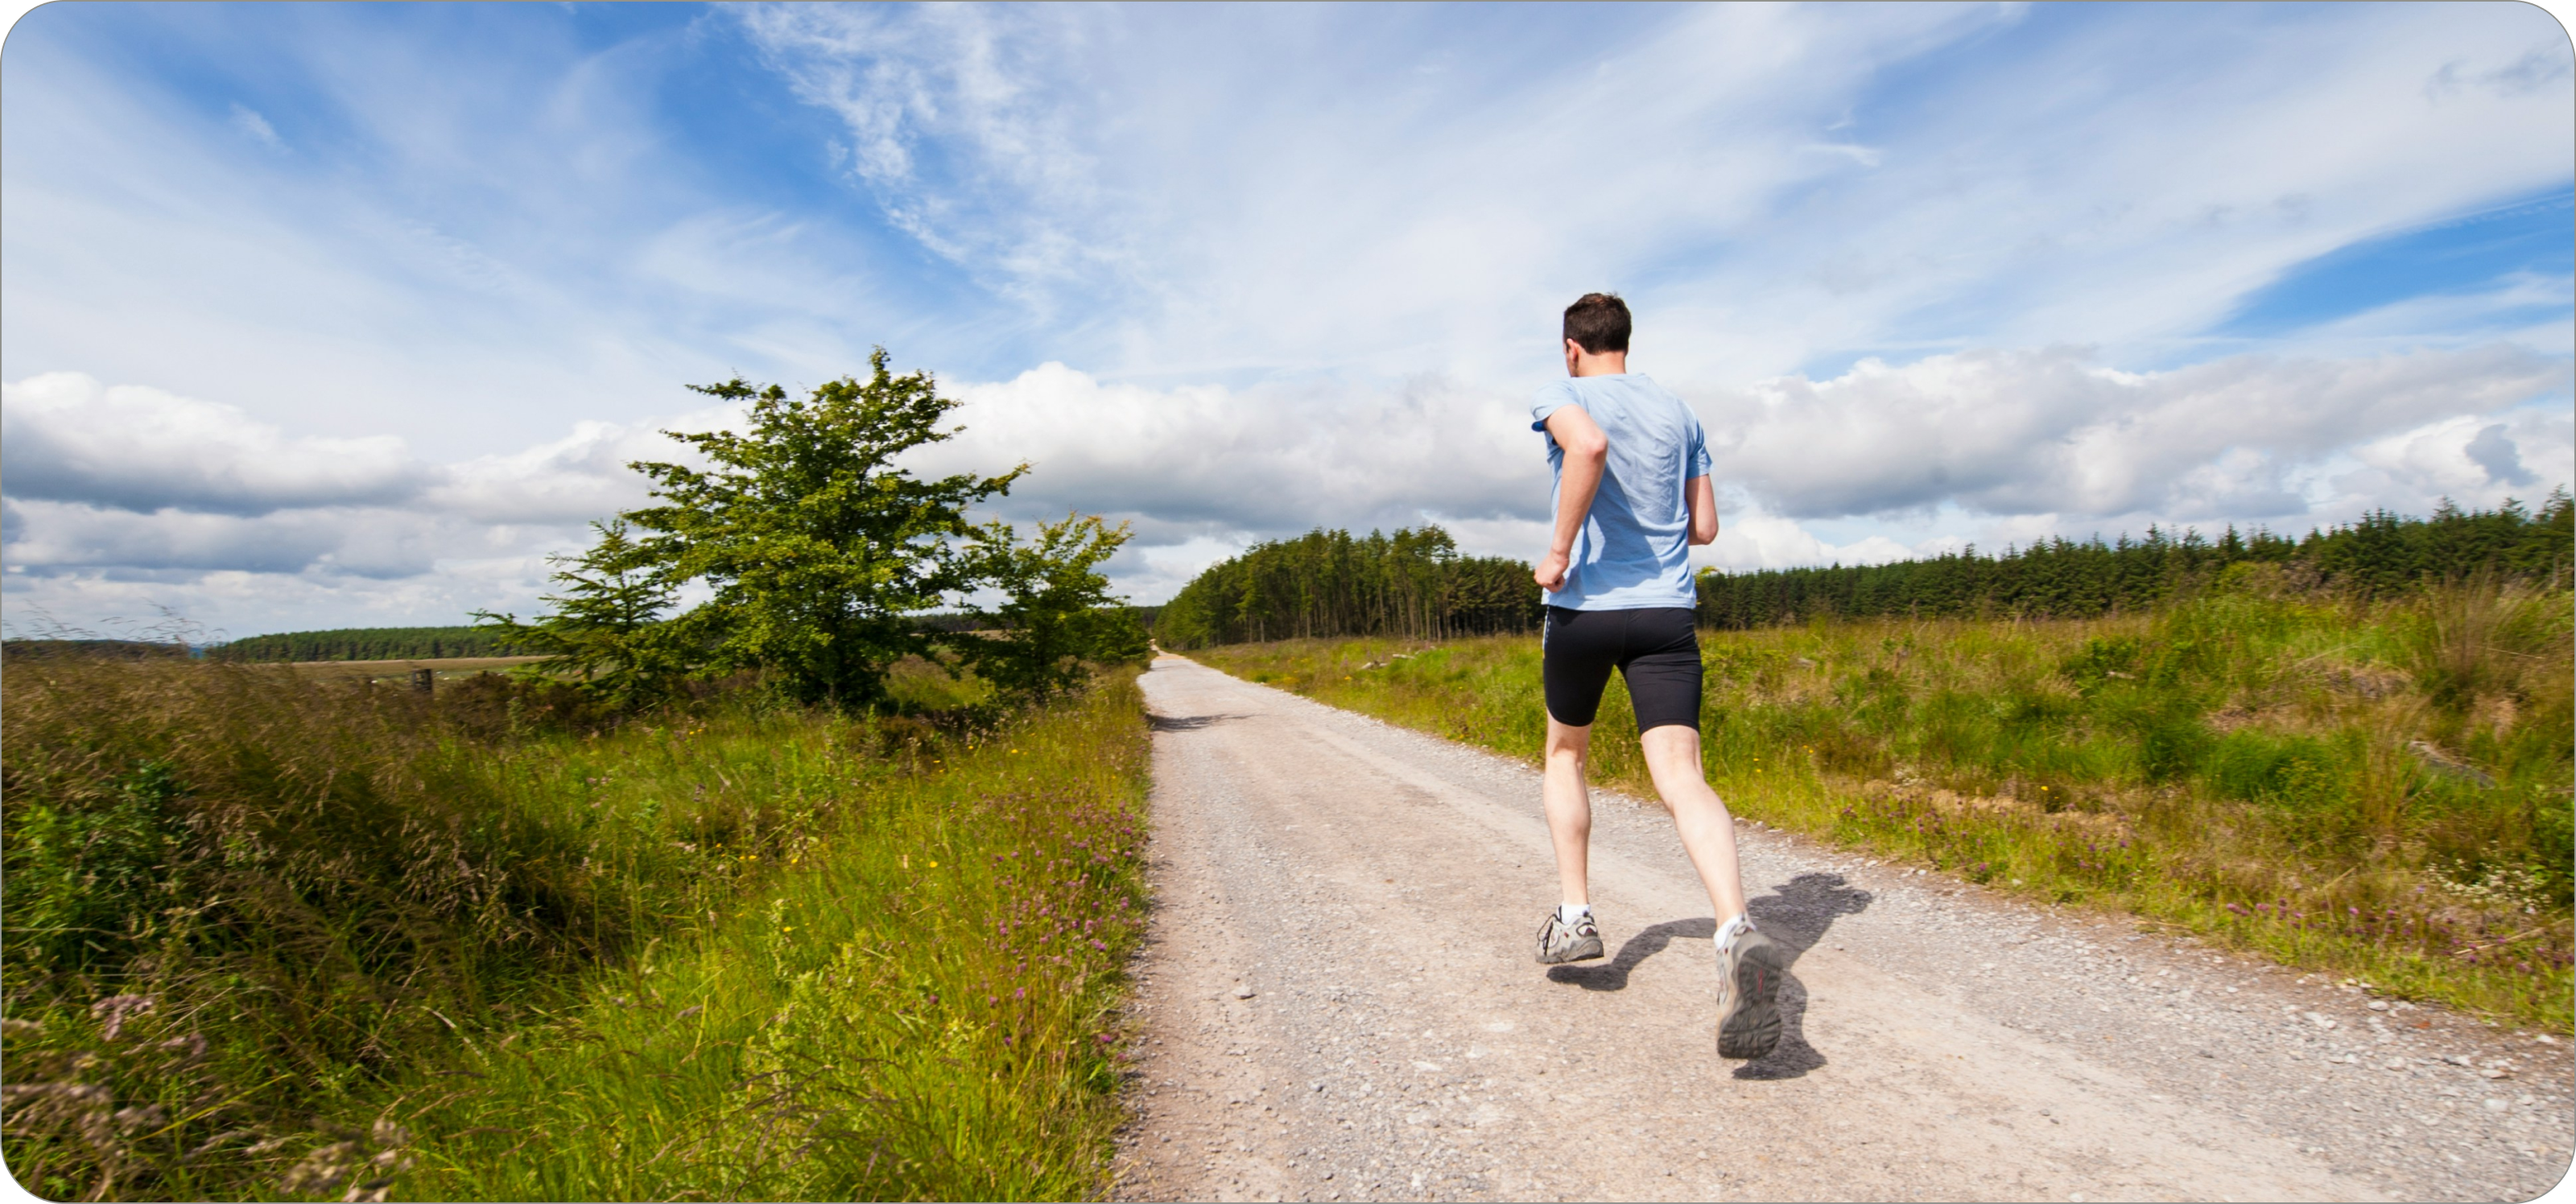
(1568, 913)
(1726, 931)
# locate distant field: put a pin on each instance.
(401, 670)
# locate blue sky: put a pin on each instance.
(325, 314)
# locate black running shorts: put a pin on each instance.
(1657, 649)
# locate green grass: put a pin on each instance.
(270, 936)
(917, 1007)
(2379, 792)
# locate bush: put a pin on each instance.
(2298, 772)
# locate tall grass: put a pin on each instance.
(253, 919)
(916, 1008)
(2375, 790)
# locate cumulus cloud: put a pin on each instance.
(54, 536)
(111, 490)
(2466, 458)
(575, 479)
(1987, 446)
(123, 492)
(2495, 451)
(1753, 538)
(2053, 431)
(66, 437)
(1268, 458)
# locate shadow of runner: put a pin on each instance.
(1795, 916)
(1184, 723)
(1612, 975)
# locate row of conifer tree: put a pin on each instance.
(363, 644)
(2380, 555)
(1414, 584)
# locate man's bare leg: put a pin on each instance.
(1749, 966)
(1568, 804)
(1708, 831)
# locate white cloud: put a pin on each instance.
(574, 480)
(136, 498)
(2053, 431)
(1266, 458)
(124, 492)
(51, 536)
(1006, 185)
(2471, 459)
(1770, 185)
(1751, 538)
(1990, 447)
(248, 121)
(499, 240)
(1320, 200)
(66, 437)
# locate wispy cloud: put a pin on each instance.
(248, 121)
(1997, 183)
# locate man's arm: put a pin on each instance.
(1703, 511)
(1586, 451)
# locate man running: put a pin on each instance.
(1632, 496)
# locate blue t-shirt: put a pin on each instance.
(1633, 552)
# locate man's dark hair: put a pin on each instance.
(1598, 322)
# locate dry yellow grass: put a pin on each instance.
(451, 667)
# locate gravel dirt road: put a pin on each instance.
(1337, 1001)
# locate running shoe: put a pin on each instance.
(1749, 967)
(1559, 941)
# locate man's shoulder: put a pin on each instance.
(1557, 392)
(1625, 392)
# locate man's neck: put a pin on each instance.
(1607, 363)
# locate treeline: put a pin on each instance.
(363, 644)
(1411, 584)
(2380, 555)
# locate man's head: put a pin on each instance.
(1598, 322)
(1596, 336)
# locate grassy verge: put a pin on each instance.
(916, 1008)
(270, 936)
(2379, 792)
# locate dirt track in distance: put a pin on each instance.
(1337, 1001)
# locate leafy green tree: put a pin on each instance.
(818, 548)
(1057, 614)
(607, 625)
